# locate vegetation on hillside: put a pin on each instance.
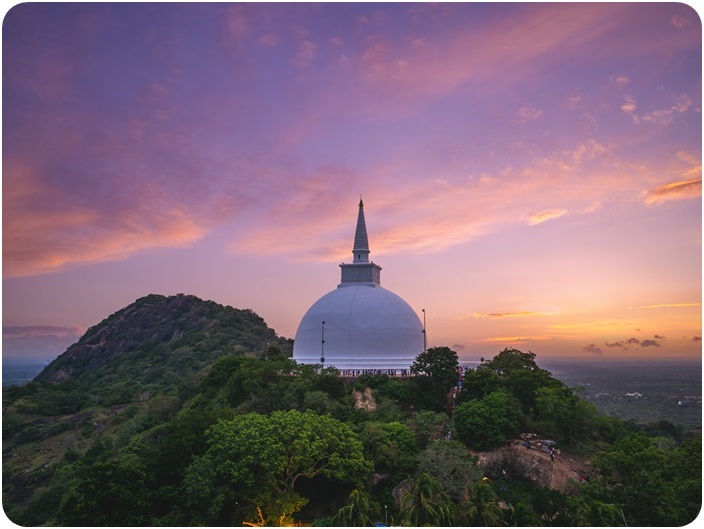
(205, 420)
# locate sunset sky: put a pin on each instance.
(531, 173)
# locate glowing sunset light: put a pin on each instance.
(531, 173)
(671, 305)
(510, 314)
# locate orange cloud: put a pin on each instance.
(516, 339)
(675, 191)
(671, 305)
(65, 233)
(496, 315)
(549, 214)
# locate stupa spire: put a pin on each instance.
(360, 250)
(360, 270)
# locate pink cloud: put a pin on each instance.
(543, 216)
(208, 158)
(675, 191)
(42, 330)
(304, 54)
(545, 33)
(37, 342)
(528, 113)
(66, 233)
(443, 213)
(496, 315)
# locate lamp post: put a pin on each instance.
(322, 348)
(425, 336)
(386, 515)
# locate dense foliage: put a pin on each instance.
(240, 434)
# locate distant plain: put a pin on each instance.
(642, 390)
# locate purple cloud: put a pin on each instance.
(37, 342)
(591, 348)
(615, 344)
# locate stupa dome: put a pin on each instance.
(363, 325)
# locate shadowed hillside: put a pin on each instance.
(158, 340)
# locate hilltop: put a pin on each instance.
(158, 342)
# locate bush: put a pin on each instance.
(485, 424)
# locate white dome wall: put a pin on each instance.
(366, 327)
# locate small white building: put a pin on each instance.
(360, 325)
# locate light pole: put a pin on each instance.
(425, 336)
(386, 515)
(322, 348)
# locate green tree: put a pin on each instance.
(482, 507)
(450, 464)
(254, 377)
(424, 503)
(509, 360)
(572, 418)
(436, 373)
(391, 446)
(653, 486)
(521, 515)
(478, 383)
(359, 512)
(261, 457)
(596, 513)
(109, 493)
(485, 423)
(427, 426)
(525, 383)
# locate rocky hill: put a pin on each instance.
(159, 340)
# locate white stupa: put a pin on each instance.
(360, 325)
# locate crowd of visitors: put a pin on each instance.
(388, 372)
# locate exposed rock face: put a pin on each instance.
(158, 324)
(364, 399)
(518, 462)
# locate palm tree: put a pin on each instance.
(358, 512)
(482, 507)
(424, 503)
(521, 515)
(592, 513)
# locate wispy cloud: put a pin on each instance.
(516, 339)
(71, 234)
(498, 315)
(38, 342)
(41, 330)
(543, 216)
(177, 162)
(679, 190)
(662, 117)
(528, 113)
(670, 305)
(620, 80)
